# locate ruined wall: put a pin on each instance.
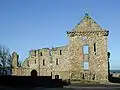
(60, 64)
(68, 61)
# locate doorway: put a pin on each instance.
(33, 72)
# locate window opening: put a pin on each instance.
(28, 63)
(43, 62)
(40, 53)
(60, 52)
(86, 65)
(56, 61)
(85, 49)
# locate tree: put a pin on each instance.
(5, 60)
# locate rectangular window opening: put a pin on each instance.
(60, 52)
(56, 61)
(40, 53)
(43, 62)
(94, 47)
(35, 53)
(28, 63)
(86, 66)
(85, 49)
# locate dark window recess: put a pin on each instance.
(56, 76)
(35, 53)
(51, 73)
(28, 63)
(94, 47)
(35, 61)
(56, 61)
(60, 52)
(43, 62)
(83, 77)
(40, 53)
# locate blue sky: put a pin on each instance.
(34, 24)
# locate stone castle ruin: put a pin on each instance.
(84, 58)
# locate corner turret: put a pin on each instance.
(15, 58)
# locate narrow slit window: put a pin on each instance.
(94, 47)
(60, 52)
(40, 53)
(35, 61)
(51, 73)
(35, 53)
(85, 49)
(86, 65)
(56, 61)
(43, 62)
(83, 76)
(28, 63)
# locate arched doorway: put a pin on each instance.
(33, 72)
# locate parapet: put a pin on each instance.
(32, 52)
(59, 48)
(43, 49)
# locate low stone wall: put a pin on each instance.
(116, 75)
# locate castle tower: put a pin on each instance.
(88, 51)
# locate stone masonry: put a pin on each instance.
(87, 44)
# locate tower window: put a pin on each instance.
(85, 49)
(86, 65)
(60, 52)
(43, 62)
(56, 61)
(94, 47)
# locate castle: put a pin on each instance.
(84, 58)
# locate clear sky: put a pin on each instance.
(34, 24)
